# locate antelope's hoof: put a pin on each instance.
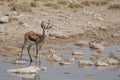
(31, 60)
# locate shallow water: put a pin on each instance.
(71, 72)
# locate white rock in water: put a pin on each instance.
(111, 61)
(56, 58)
(85, 62)
(19, 62)
(115, 56)
(65, 63)
(43, 69)
(77, 53)
(101, 63)
(26, 70)
(97, 46)
(52, 51)
(4, 19)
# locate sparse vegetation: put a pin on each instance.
(100, 3)
(53, 5)
(63, 2)
(114, 6)
(75, 5)
(86, 3)
(33, 4)
(11, 0)
(1, 3)
(23, 7)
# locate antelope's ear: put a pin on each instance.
(42, 25)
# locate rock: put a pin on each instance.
(65, 63)
(4, 19)
(58, 35)
(43, 69)
(115, 56)
(97, 16)
(86, 62)
(82, 43)
(25, 25)
(101, 63)
(100, 47)
(70, 59)
(56, 58)
(19, 62)
(102, 28)
(95, 56)
(25, 70)
(111, 61)
(118, 50)
(77, 53)
(115, 35)
(52, 51)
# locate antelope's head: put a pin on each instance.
(46, 27)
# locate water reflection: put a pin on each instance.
(28, 76)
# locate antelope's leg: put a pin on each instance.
(36, 50)
(40, 46)
(22, 49)
(28, 49)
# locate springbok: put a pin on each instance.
(32, 38)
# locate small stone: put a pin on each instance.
(102, 28)
(52, 51)
(4, 19)
(100, 47)
(118, 50)
(115, 35)
(111, 61)
(86, 62)
(77, 53)
(19, 62)
(25, 70)
(55, 58)
(43, 69)
(115, 56)
(67, 72)
(65, 63)
(101, 63)
(82, 43)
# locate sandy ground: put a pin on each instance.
(91, 23)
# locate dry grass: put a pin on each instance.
(75, 5)
(62, 2)
(86, 3)
(23, 7)
(114, 6)
(33, 4)
(8, 0)
(11, 0)
(100, 2)
(1, 3)
(52, 5)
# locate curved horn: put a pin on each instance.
(42, 25)
(49, 26)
